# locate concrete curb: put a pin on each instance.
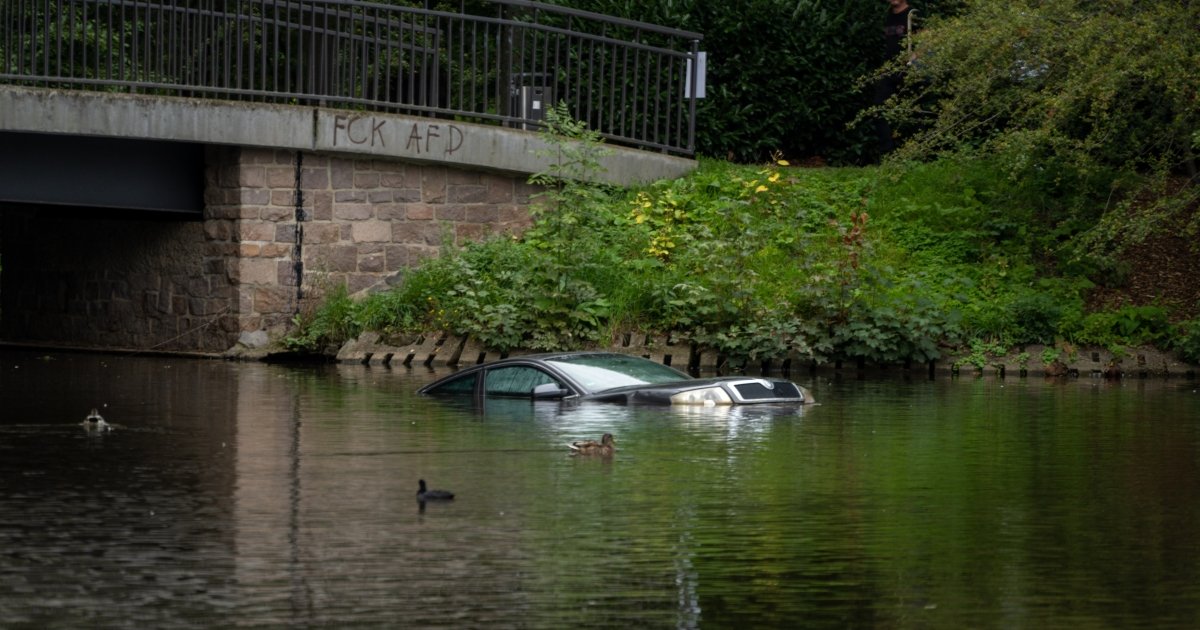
(442, 350)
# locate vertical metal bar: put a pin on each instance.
(568, 63)
(503, 69)
(185, 49)
(590, 89)
(119, 34)
(385, 66)
(476, 77)
(613, 113)
(642, 97)
(691, 139)
(107, 35)
(410, 62)
(435, 72)
(262, 39)
(302, 52)
(45, 40)
(619, 127)
(423, 59)
(276, 49)
(425, 64)
(576, 89)
(222, 47)
(546, 68)
(58, 40)
(493, 53)
(237, 46)
(6, 9)
(677, 102)
(71, 44)
(363, 53)
(19, 45)
(156, 47)
(182, 63)
(171, 59)
(657, 93)
(137, 27)
(367, 28)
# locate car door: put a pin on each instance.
(516, 381)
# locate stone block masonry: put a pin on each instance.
(89, 279)
(363, 221)
(105, 279)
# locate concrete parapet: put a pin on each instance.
(303, 128)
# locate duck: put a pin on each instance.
(95, 421)
(603, 448)
(432, 495)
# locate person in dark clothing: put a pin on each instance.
(895, 31)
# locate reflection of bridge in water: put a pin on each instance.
(305, 144)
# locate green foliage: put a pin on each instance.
(1066, 96)
(1186, 340)
(333, 322)
(982, 352)
(1130, 325)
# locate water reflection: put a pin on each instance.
(285, 496)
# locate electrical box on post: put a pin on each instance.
(532, 101)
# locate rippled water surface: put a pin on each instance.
(255, 495)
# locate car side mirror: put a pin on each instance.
(547, 391)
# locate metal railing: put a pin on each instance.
(492, 61)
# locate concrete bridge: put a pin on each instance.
(147, 209)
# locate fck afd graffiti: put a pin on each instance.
(419, 138)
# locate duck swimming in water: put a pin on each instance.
(95, 422)
(603, 448)
(432, 495)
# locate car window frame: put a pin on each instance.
(481, 386)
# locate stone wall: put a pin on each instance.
(88, 278)
(112, 279)
(362, 222)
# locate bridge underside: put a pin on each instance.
(101, 172)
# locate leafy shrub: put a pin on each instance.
(1187, 340)
(332, 322)
(1129, 325)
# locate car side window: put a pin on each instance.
(515, 381)
(464, 385)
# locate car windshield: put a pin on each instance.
(598, 372)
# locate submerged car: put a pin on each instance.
(609, 377)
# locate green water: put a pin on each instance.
(276, 496)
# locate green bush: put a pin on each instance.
(1187, 340)
(331, 323)
(1128, 325)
